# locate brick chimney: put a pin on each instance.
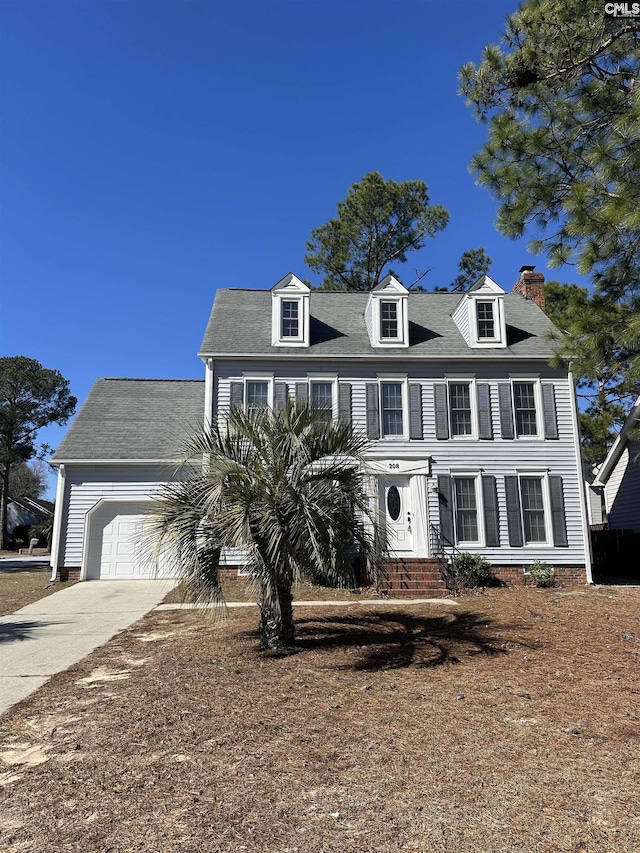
(530, 285)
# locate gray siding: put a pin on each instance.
(85, 485)
(622, 492)
(461, 318)
(498, 457)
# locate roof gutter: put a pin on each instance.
(402, 356)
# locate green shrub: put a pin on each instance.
(542, 574)
(471, 571)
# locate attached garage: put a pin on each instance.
(122, 447)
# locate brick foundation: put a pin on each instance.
(66, 573)
(566, 576)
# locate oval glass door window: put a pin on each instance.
(393, 503)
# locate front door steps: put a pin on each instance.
(413, 578)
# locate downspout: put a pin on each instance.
(581, 484)
(57, 523)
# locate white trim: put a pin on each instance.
(616, 449)
(537, 393)
(165, 461)
(582, 486)
(499, 340)
(57, 523)
(208, 393)
(258, 377)
(475, 474)
(326, 378)
(473, 402)
(391, 379)
(543, 475)
(87, 524)
(387, 356)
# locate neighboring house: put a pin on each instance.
(474, 437)
(619, 476)
(25, 512)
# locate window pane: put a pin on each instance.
(486, 325)
(466, 509)
(257, 395)
(392, 408)
(388, 320)
(460, 404)
(524, 401)
(322, 398)
(289, 319)
(532, 509)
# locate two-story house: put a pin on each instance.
(473, 435)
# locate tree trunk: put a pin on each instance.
(277, 630)
(4, 501)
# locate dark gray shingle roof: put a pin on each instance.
(134, 419)
(240, 324)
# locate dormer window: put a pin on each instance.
(290, 319)
(388, 320)
(479, 315)
(386, 315)
(486, 321)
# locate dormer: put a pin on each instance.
(290, 313)
(480, 315)
(387, 314)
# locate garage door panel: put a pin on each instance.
(115, 548)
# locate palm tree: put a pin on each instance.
(286, 487)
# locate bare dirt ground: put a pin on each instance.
(508, 723)
(19, 588)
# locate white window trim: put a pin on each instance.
(537, 392)
(402, 340)
(385, 378)
(473, 399)
(500, 338)
(326, 377)
(476, 475)
(259, 377)
(302, 339)
(546, 502)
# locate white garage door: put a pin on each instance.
(116, 550)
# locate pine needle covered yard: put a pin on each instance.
(507, 723)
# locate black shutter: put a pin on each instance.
(373, 410)
(440, 407)
(558, 519)
(485, 428)
(491, 521)
(302, 393)
(446, 507)
(280, 395)
(506, 410)
(415, 411)
(344, 402)
(236, 399)
(549, 410)
(514, 516)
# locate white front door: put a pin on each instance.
(396, 514)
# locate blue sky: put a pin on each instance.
(154, 151)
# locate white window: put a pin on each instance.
(533, 507)
(257, 394)
(486, 320)
(460, 411)
(525, 409)
(290, 318)
(321, 397)
(389, 320)
(466, 509)
(392, 405)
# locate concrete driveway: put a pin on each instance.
(52, 634)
